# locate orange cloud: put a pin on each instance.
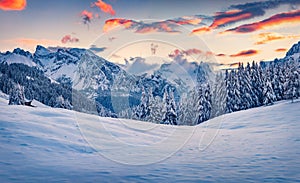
(275, 20)
(229, 17)
(70, 39)
(106, 8)
(229, 12)
(281, 50)
(201, 30)
(186, 20)
(140, 27)
(269, 36)
(12, 5)
(223, 19)
(113, 23)
(245, 53)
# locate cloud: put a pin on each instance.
(116, 22)
(86, 16)
(236, 64)
(188, 52)
(139, 65)
(221, 55)
(281, 50)
(245, 53)
(164, 26)
(275, 20)
(33, 42)
(201, 30)
(9, 5)
(29, 43)
(106, 8)
(269, 36)
(222, 19)
(69, 39)
(169, 26)
(189, 20)
(258, 8)
(96, 49)
(241, 12)
(140, 27)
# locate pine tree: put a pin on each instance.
(292, 84)
(245, 88)
(204, 103)
(268, 92)
(219, 96)
(233, 100)
(256, 84)
(169, 110)
(278, 82)
(187, 110)
(142, 110)
(155, 108)
(16, 96)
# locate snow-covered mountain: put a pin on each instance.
(97, 78)
(179, 72)
(18, 56)
(292, 54)
(295, 49)
(91, 73)
(184, 75)
(58, 145)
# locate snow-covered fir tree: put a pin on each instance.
(233, 100)
(257, 84)
(169, 109)
(142, 110)
(268, 92)
(292, 84)
(278, 80)
(16, 96)
(203, 103)
(219, 96)
(155, 108)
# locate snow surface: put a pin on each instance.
(56, 145)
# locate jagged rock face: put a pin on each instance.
(294, 49)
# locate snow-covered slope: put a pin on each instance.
(57, 145)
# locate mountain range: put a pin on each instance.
(81, 74)
(104, 81)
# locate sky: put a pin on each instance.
(220, 31)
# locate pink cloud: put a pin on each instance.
(69, 39)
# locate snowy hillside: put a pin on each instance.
(58, 145)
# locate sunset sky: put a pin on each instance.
(227, 31)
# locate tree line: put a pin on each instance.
(232, 90)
